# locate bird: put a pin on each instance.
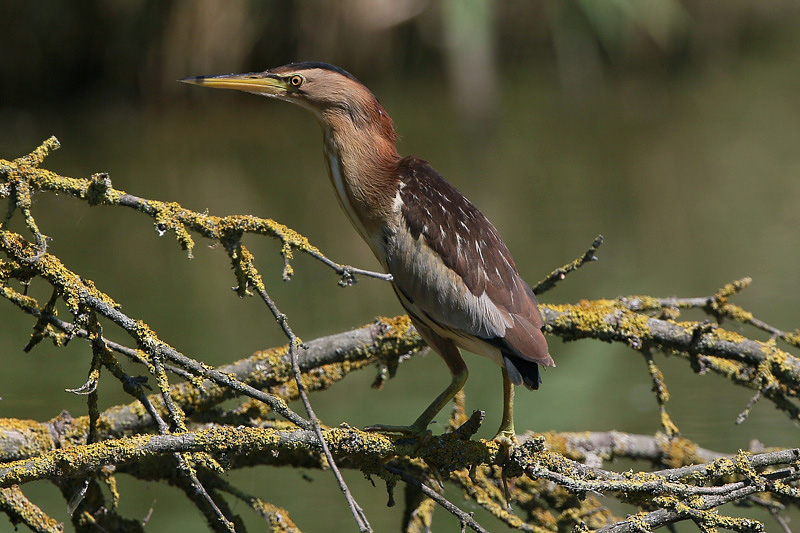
(450, 268)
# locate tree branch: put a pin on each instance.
(463, 517)
(21, 510)
(561, 273)
(23, 173)
(552, 477)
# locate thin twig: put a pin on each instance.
(199, 369)
(463, 517)
(199, 495)
(248, 276)
(741, 417)
(355, 508)
(661, 392)
(560, 273)
(347, 272)
(782, 522)
(276, 517)
(59, 276)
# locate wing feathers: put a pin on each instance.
(451, 261)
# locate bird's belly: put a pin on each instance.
(437, 296)
(462, 339)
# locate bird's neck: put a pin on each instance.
(362, 163)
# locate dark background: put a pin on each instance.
(673, 128)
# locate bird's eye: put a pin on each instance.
(296, 81)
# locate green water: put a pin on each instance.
(693, 181)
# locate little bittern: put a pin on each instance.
(452, 271)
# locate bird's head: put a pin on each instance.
(331, 93)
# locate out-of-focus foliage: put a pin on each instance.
(132, 49)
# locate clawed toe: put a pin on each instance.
(506, 439)
(411, 431)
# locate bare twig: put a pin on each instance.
(355, 508)
(463, 517)
(781, 521)
(560, 273)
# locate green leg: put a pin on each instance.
(448, 350)
(420, 425)
(506, 434)
(456, 384)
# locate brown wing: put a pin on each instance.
(469, 281)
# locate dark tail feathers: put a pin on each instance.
(522, 372)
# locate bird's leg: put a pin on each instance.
(506, 434)
(451, 355)
(420, 425)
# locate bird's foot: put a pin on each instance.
(412, 431)
(507, 438)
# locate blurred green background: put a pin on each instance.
(672, 128)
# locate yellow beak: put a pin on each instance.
(253, 82)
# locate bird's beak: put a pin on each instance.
(253, 82)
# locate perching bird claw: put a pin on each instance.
(506, 438)
(423, 433)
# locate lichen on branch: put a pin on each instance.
(237, 416)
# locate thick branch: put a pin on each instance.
(324, 362)
(368, 451)
(21, 510)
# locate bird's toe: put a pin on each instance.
(506, 438)
(411, 431)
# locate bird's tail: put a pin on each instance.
(522, 372)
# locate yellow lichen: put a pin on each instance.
(398, 325)
(19, 509)
(678, 452)
(24, 438)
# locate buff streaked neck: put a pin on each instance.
(360, 151)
